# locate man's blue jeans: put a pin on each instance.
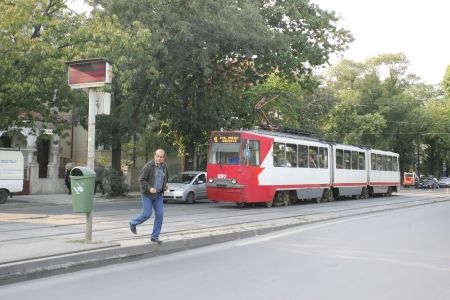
(147, 203)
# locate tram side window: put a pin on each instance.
(250, 152)
(384, 160)
(389, 163)
(362, 160)
(279, 155)
(379, 162)
(373, 161)
(347, 159)
(312, 160)
(339, 159)
(291, 155)
(302, 156)
(394, 164)
(323, 158)
(355, 160)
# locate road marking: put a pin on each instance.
(311, 227)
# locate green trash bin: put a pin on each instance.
(82, 184)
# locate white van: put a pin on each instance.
(11, 173)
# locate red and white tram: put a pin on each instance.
(275, 167)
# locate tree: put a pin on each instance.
(33, 52)
(132, 90)
(208, 53)
(380, 105)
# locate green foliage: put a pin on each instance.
(33, 52)
(446, 82)
(383, 106)
(276, 101)
(208, 53)
(114, 184)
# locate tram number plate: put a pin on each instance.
(221, 185)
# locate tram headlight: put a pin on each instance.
(233, 181)
(210, 180)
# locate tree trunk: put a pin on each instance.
(189, 157)
(116, 150)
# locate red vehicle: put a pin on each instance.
(410, 179)
(273, 167)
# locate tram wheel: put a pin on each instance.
(269, 204)
(327, 196)
(240, 204)
(389, 192)
(285, 198)
(364, 193)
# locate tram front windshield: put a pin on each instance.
(224, 154)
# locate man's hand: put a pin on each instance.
(153, 190)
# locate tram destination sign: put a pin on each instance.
(226, 138)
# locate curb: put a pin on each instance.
(66, 263)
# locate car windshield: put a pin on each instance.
(182, 178)
(427, 180)
(444, 179)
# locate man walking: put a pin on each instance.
(153, 181)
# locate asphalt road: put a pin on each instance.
(400, 254)
(23, 218)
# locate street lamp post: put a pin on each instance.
(91, 73)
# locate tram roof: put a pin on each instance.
(307, 136)
(296, 136)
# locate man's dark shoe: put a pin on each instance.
(156, 240)
(133, 228)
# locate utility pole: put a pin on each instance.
(90, 74)
(418, 156)
(91, 151)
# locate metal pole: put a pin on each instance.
(91, 151)
(418, 156)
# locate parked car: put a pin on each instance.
(444, 182)
(187, 187)
(428, 183)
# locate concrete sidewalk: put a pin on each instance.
(25, 257)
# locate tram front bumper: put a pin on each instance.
(225, 192)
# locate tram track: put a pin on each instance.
(209, 215)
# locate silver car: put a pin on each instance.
(186, 186)
(444, 182)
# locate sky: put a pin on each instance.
(416, 28)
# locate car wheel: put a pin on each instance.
(190, 198)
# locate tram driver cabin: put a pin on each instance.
(274, 167)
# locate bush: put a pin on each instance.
(114, 184)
